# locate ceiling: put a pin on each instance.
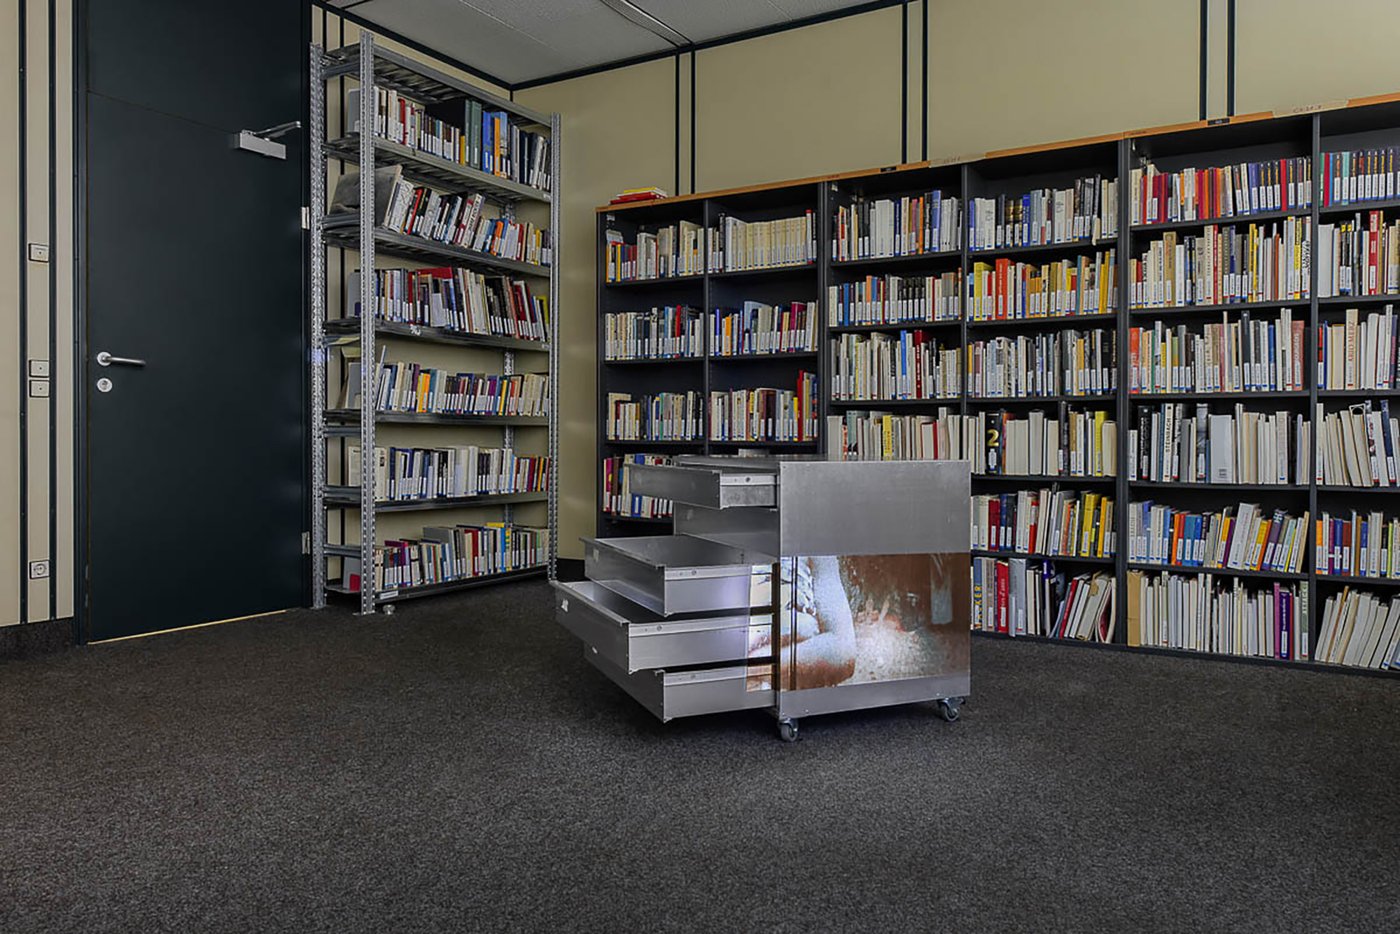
(525, 40)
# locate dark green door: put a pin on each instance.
(191, 251)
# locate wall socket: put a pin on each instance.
(38, 570)
(38, 252)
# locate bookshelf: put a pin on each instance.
(1198, 315)
(434, 344)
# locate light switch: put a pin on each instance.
(39, 369)
(38, 389)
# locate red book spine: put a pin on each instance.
(1003, 596)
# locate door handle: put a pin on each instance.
(106, 359)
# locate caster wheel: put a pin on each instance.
(787, 730)
(950, 709)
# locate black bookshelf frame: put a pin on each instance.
(1365, 124)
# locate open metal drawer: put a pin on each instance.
(671, 574)
(717, 486)
(671, 694)
(633, 639)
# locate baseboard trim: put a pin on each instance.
(31, 639)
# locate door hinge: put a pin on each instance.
(305, 218)
(306, 543)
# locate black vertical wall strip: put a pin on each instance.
(676, 189)
(1230, 61)
(1205, 54)
(79, 382)
(904, 81)
(23, 339)
(923, 86)
(53, 309)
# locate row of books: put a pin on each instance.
(1017, 597)
(455, 299)
(459, 220)
(1168, 446)
(1245, 355)
(453, 553)
(757, 328)
(1361, 629)
(1083, 285)
(411, 387)
(1364, 545)
(674, 250)
(1359, 175)
(1044, 522)
(618, 498)
(740, 245)
(661, 333)
(884, 436)
(1205, 613)
(665, 416)
(461, 131)
(1240, 539)
(893, 300)
(1357, 446)
(1360, 256)
(1068, 362)
(1219, 191)
(903, 365)
(904, 226)
(766, 414)
(1357, 354)
(1069, 443)
(1223, 265)
(1086, 210)
(430, 473)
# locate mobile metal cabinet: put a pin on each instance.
(795, 585)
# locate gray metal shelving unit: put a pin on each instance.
(373, 66)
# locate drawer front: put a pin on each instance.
(669, 695)
(670, 574)
(705, 486)
(634, 639)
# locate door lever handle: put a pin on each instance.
(106, 359)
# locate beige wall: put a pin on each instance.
(1002, 73)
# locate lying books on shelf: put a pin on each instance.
(455, 299)
(665, 416)
(1168, 446)
(1232, 356)
(1356, 354)
(1068, 362)
(1018, 597)
(406, 474)
(452, 553)
(674, 250)
(903, 365)
(1045, 522)
(1361, 629)
(1203, 613)
(410, 387)
(765, 414)
(737, 245)
(618, 498)
(1219, 191)
(660, 334)
(1087, 210)
(1223, 265)
(1070, 443)
(1357, 446)
(883, 436)
(757, 328)
(905, 226)
(460, 131)
(893, 300)
(630, 195)
(1358, 257)
(1363, 545)
(1083, 285)
(1358, 175)
(1240, 538)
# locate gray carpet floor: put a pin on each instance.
(458, 766)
